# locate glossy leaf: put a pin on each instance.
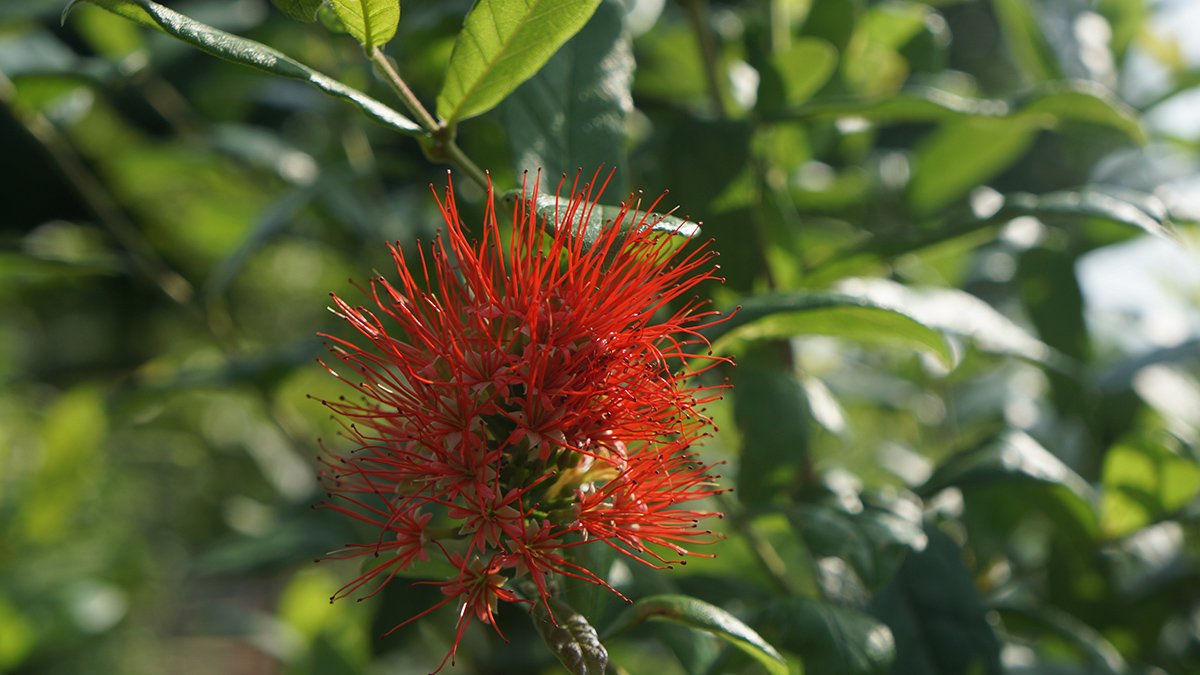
(831, 639)
(304, 10)
(958, 313)
(821, 313)
(249, 53)
(694, 613)
(592, 222)
(1123, 207)
(570, 116)
(568, 634)
(502, 44)
(371, 22)
(1039, 622)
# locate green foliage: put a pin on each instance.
(700, 615)
(950, 447)
(501, 45)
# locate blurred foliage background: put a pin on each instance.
(964, 428)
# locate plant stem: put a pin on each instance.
(441, 135)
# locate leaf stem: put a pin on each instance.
(439, 133)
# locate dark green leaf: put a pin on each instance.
(831, 640)
(304, 10)
(937, 619)
(771, 410)
(873, 540)
(1038, 622)
(371, 22)
(249, 53)
(688, 611)
(820, 313)
(570, 637)
(502, 44)
(571, 115)
(591, 223)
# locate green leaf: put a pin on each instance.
(502, 44)
(1010, 475)
(591, 223)
(962, 155)
(570, 637)
(804, 68)
(1049, 105)
(957, 312)
(371, 22)
(1025, 40)
(1123, 207)
(771, 410)
(249, 53)
(861, 319)
(688, 611)
(304, 10)
(940, 625)
(1011, 456)
(1085, 101)
(874, 540)
(831, 639)
(571, 115)
(1040, 621)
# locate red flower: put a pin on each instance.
(523, 396)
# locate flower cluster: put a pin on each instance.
(523, 396)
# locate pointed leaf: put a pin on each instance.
(303, 10)
(958, 313)
(688, 611)
(249, 53)
(939, 623)
(571, 115)
(861, 319)
(371, 22)
(831, 639)
(592, 222)
(570, 637)
(502, 44)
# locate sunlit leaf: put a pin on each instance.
(962, 155)
(249, 53)
(593, 222)
(304, 10)
(371, 22)
(860, 319)
(694, 613)
(570, 116)
(502, 44)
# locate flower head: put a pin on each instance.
(522, 396)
